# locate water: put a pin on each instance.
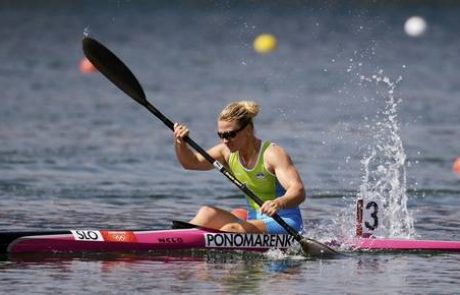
(362, 108)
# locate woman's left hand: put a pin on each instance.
(270, 207)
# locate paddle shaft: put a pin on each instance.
(221, 168)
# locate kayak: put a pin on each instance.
(78, 241)
(100, 241)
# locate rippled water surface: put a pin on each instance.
(362, 108)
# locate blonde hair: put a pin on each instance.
(242, 111)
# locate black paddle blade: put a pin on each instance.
(316, 249)
(113, 69)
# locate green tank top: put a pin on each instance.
(258, 179)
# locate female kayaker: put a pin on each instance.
(264, 167)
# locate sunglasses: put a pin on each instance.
(231, 134)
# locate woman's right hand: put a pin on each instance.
(180, 132)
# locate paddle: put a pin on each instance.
(117, 72)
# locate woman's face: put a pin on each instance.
(231, 134)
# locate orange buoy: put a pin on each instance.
(240, 213)
(456, 166)
(86, 67)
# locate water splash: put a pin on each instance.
(384, 179)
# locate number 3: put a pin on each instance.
(374, 215)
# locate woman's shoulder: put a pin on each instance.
(275, 153)
(272, 148)
(220, 151)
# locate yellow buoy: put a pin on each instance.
(265, 43)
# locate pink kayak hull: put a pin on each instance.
(122, 241)
(383, 244)
(78, 241)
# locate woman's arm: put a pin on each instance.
(190, 159)
(280, 163)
